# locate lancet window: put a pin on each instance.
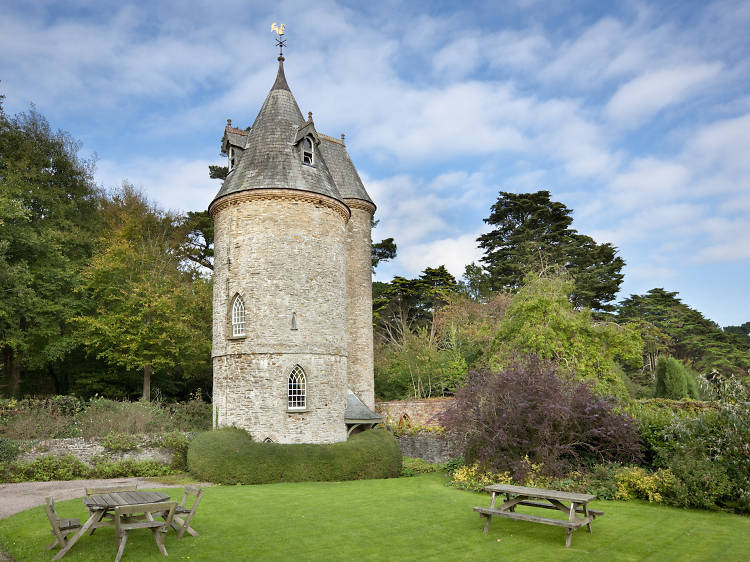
(297, 389)
(238, 317)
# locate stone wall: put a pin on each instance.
(359, 304)
(84, 450)
(412, 412)
(284, 255)
(432, 447)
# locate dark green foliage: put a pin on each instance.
(177, 443)
(690, 337)
(230, 456)
(533, 414)
(195, 238)
(218, 172)
(8, 450)
(384, 250)
(48, 224)
(120, 442)
(68, 467)
(674, 381)
(412, 467)
(532, 233)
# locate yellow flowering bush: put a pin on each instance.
(637, 483)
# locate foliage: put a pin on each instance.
(673, 380)
(103, 416)
(48, 219)
(49, 467)
(541, 320)
(8, 450)
(690, 337)
(120, 442)
(532, 233)
(385, 250)
(176, 442)
(229, 456)
(532, 414)
(637, 483)
(218, 172)
(146, 313)
(195, 239)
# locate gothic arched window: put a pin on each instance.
(297, 390)
(307, 151)
(238, 317)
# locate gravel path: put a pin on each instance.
(15, 498)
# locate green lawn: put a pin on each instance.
(399, 519)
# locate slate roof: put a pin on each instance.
(357, 412)
(271, 159)
(344, 173)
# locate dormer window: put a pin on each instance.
(231, 158)
(307, 151)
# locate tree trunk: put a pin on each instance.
(146, 383)
(13, 371)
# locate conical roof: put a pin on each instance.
(342, 168)
(271, 158)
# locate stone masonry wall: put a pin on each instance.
(84, 450)
(418, 412)
(359, 306)
(283, 256)
(432, 447)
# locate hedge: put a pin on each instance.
(230, 456)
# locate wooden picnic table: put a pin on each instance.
(100, 504)
(577, 504)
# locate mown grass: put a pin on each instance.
(399, 519)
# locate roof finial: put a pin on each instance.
(280, 41)
(309, 115)
(343, 139)
(229, 122)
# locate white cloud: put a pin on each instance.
(454, 253)
(644, 96)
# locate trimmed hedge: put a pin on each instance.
(229, 456)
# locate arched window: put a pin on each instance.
(238, 317)
(307, 151)
(297, 389)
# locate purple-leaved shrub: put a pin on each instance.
(533, 413)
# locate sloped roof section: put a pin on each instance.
(357, 412)
(344, 173)
(271, 160)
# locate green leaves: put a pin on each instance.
(533, 234)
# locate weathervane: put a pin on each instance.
(280, 41)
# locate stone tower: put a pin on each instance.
(292, 303)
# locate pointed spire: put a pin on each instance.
(280, 83)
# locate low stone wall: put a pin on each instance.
(84, 450)
(432, 447)
(412, 413)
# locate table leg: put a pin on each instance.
(571, 518)
(586, 513)
(489, 517)
(95, 518)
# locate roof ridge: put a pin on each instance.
(236, 131)
(331, 139)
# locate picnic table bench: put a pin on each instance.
(546, 499)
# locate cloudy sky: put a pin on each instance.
(637, 117)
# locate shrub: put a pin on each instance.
(229, 456)
(176, 442)
(193, 415)
(8, 450)
(412, 467)
(673, 380)
(637, 483)
(103, 416)
(120, 442)
(530, 414)
(68, 467)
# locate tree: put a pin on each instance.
(147, 314)
(531, 234)
(384, 250)
(48, 219)
(541, 320)
(195, 239)
(693, 339)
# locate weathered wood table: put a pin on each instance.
(522, 495)
(100, 505)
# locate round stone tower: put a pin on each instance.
(292, 281)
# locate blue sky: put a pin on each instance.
(636, 115)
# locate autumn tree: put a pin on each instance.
(531, 233)
(148, 314)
